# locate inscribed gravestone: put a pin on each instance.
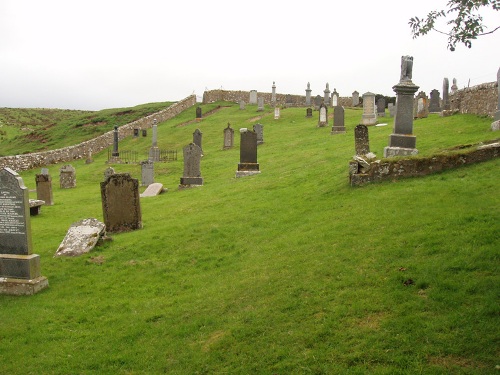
(277, 113)
(381, 107)
(317, 102)
(361, 142)
(67, 177)
(434, 105)
(228, 137)
(422, 105)
(335, 98)
(192, 172)
(197, 138)
(253, 97)
(19, 267)
(323, 115)
(81, 237)
(309, 112)
(44, 188)
(147, 172)
(338, 120)
(248, 154)
(121, 206)
(355, 98)
(259, 130)
(369, 116)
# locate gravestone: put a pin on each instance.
(248, 164)
(326, 95)
(144, 132)
(277, 113)
(121, 207)
(273, 94)
(19, 268)
(392, 109)
(355, 98)
(422, 110)
(242, 104)
(402, 142)
(228, 137)
(317, 102)
(446, 99)
(338, 120)
(335, 98)
(109, 172)
(289, 101)
(192, 160)
(253, 97)
(259, 130)
(147, 172)
(369, 116)
(81, 237)
(198, 113)
(136, 132)
(153, 190)
(381, 107)
(497, 113)
(89, 159)
(44, 188)
(115, 152)
(67, 177)
(454, 87)
(154, 151)
(323, 116)
(434, 105)
(308, 94)
(197, 139)
(309, 112)
(361, 141)
(260, 105)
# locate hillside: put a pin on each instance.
(291, 271)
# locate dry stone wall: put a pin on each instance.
(93, 146)
(479, 100)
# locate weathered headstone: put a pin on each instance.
(317, 102)
(273, 94)
(44, 188)
(260, 104)
(422, 109)
(153, 190)
(309, 112)
(361, 141)
(392, 109)
(121, 206)
(136, 132)
(259, 130)
(381, 107)
(323, 115)
(147, 172)
(326, 95)
(308, 94)
(338, 120)
(248, 164)
(228, 137)
(253, 97)
(355, 98)
(242, 104)
(81, 237)
(67, 177)
(192, 172)
(19, 267)
(277, 113)
(197, 139)
(446, 99)
(198, 112)
(109, 172)
(435, 102)
(369, 116)
(335, 98)
(402, 142)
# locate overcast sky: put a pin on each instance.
(98, 54)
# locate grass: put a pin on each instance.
(287, 272)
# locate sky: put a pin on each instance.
(99, 54)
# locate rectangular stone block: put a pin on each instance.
(20, 266)
(405, 141)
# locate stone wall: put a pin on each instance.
(388, 169)
(93, 146)
(281, 99)
(479, 100)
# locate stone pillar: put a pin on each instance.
(326, 97)
(273, 95)
(446, 99)
(308, 94)
(154, 152)
(115, 143)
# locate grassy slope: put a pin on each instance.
(290, 271)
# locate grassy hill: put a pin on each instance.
(287, 272)
(24, 130)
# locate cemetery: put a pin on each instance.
(324, 243)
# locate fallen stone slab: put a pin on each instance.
(153, 190)
(81, 238)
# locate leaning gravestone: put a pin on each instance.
(81, 237)
(147, 172)
(259, 130)
(197, 138)
(338, 120)
(44, 188)
(67, 177)
(323, 115)
(228, 137)
(192, 172)
(153, 190)
(248, 154)
(369, 116)
(361, 142)
(19, 267)
(121, 206)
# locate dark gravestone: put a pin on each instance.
(144, 132)
(434, 105)
(338, 120)
(317, 102)
(147, 172)
(446, 99)
(248, 154)
(309, 112)
(361, 142)
(228, 137)
(136, 132)
(259, 130)
(381, 107)
(323, 115)
(198, 112)
(197, 138)
(19, 267)
(115, 152)
(121, 207)
(192, 171)
(44, 188)
(67, 177)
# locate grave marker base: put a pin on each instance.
(21, 287)
(399, 151)
(338, 130)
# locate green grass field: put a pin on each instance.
(291, 271)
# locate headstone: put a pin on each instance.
(121, 206)
(454, 87)
(277, 113)
(338, 120)
(260, 105)
(317, 102)
(361, 141)
(192, 160)
(289, 101)
(67, 177)
(355, 98)
(109, 172)
(197, 139)
(198, 112)
(44, 188)
(335, 98)
(144, 132)
(369, 116)
(19, 267)
(309, 112)
(89, 159)
(323, 115)
(242, 104)
(153, 190)
(273, 94)
(497, 113)
(259, 130)
(326, 96)
(81, 237)
(308, 94)
(434, 105)
(248, 164)
(147, 172)
(381, 107)
(136, 132)
(402, 142)
(154, 151)
(115, 152)
(422, 105)
(392, 109)
(228, 137)
(446, 99)
(253, 97)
